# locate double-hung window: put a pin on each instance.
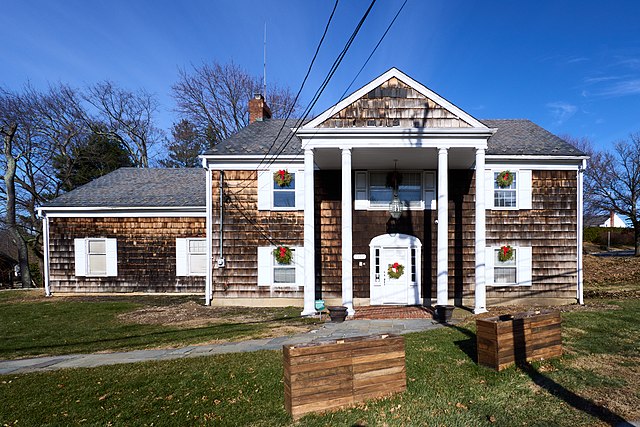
(96, 257)
(516, 271)
(275, 197)
(272, 273)
(515, 196)
(191, 257)
(374, 189)
(505, 197)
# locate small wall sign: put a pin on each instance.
(359, 256)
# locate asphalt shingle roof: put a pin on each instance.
(137, 187)
(514, 136)
(258, 137)
(523, 137)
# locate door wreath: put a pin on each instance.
(395, 270)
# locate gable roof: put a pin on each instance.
(387, 89)
(138, 187)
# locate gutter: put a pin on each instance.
(45, 243)
(580, 230)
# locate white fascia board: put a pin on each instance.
(383, 140)
(394, 72)
(535, 162)
(120, 212)
(251, 162)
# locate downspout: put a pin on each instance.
(45, 243)
(220, 253)
(579, 211)
(209, 278)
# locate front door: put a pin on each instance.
(395, 272)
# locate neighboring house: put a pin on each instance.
(9, 264)
(606, 221)
(488, 212)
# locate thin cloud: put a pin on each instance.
(628, 87)
(561, 111)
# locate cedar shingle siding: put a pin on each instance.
(146, 254)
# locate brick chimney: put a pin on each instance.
(258, 109)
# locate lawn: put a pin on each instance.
(32, 325)
(596, 383)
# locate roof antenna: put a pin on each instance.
(264, 78)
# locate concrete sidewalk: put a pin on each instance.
(327, 331)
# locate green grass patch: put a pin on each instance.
(33, 325)
(445, 386)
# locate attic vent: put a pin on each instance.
(371, 123)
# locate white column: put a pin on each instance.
(309, 236)
(579, 213)
(347, 233)
(481, 235)
(45, 243)
(443, 228)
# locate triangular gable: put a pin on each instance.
(394, 100)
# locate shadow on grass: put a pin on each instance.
(221, 331)
(469, 347)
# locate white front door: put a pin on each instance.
(394, 289)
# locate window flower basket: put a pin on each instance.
(395, 270)
(505, 254)
(504, 179)
(282, 254)
(282, 178)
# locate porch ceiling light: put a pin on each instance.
(395, 207)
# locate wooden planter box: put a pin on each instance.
(528, 336)
(320, 377)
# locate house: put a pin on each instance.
(606, 221)
(392, 196)
(9, 265)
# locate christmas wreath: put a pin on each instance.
(282, 178)
(395, 270)
(504, 179)
(282, 254)
(505, 253)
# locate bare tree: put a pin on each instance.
(10, 113)
(215, 97)
(184, 147)
(128, 117)
(614, 181)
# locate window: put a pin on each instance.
(191, 257)
(271, 273)
(285, 196)
(272, 196)
(515, 196)
(374, 191)
(504, 272)
(515, 272)
(96, 257)
(505, 197)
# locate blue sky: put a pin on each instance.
(573, 67)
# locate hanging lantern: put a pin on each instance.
(395, 207)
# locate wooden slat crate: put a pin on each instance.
(528, 336)
(326, 376)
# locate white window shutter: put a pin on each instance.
(265, 190)
(298, 260)
(265, 266)
(182, 263)
(112, 257)
(524, 189)
(299, 180)
(80, 255)
(488, 257)
(429, 190)
(488, 188)
(361, 187)
(524, 259)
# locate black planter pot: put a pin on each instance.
(444, 312)
(337, 313)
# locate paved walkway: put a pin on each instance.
(326, 332)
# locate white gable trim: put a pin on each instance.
(394, 72)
